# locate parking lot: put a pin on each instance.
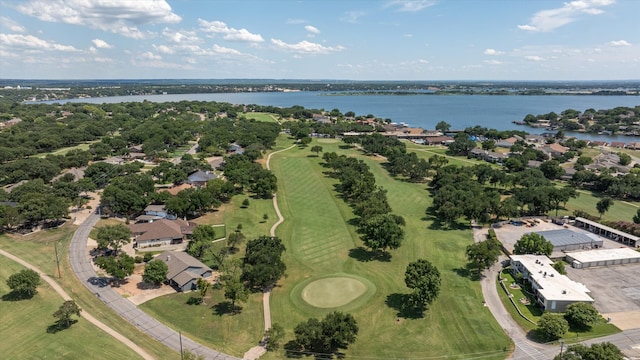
(615, 288)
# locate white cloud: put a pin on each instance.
(306, 47)
(102, 60)
(150, 56)
(224, 50)
(101, 44)
(619, 43)
(352, 16)
(231, 34)
(163, 49)
(117, 16)
(423, 61)
(12, 25)
(312, 29)
(31, 42)
(548, 20)
(534, 58)
(410, 5)
(180, 36)
(492, 52)
(493, 62)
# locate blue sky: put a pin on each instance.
(321, 39)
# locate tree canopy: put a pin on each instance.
(119, 266)
(552, 327)
(113, 236)
(336, 331)
(24, 282)
(262, 264)
(581, 315)
(533, 243)
(155, 272)
(424, 279)
(64, 312)
(597, 351)
(483, 254)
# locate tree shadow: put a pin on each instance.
(59, 326)
(292, 350)
(147, 286)
(400, 303)
(194, 300)
(346, 147)
(365, 255)
(17, 296)
(225, 307)
(468, 272)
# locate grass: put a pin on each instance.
(38, 249)
(619, 211)
(321, 243)
(25, 324)
(63, 151)
(261, 116)
(534, 313)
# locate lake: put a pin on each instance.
(424, 111)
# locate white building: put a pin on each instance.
(603, 257)
(553, 291)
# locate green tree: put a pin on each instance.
(559, 266)
(119, 266)
(24, 282)
(203, 287)
(201, 240)
(382, 232)
(461, 145)
(188, 355)
(262, 264)
(424, 279)
(336, 331)
(443, 126)
(113, 236)
(63, 314)
(274, 336)
(552, 169)
(234, 290)
(533, 243)
(625, 159)
(483, 254)
(234, 239)
(552, 327)
(603, 205)
(155, 272)
(316, 149)
(636, 217)
(598, 351)
(245, 203)
(581, 315)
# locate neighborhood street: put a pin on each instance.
(81, 264)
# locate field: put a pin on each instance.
(25, 323)
(38, 249)
(260, 116)
(320, 243)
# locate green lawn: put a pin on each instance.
(25, 322)
(63, 151)
(261, 116)
(320, 242)
(620, 210)
(38, 249)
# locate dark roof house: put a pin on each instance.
(184, 270)
(199, 178)
(162, 232)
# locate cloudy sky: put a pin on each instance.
(320, 39)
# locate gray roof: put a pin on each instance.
(178, 262)
(565, 237)
(201, 176)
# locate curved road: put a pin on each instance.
(81, 264)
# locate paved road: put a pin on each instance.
(81, 264)
(84, 313)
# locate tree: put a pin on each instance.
(24, 283)
(234, 290)
(552, 327)
(533, 243)
(559, 267)
(155, 272)
(483, 254)
(598, 351)
(65, 311)
(234, 239)
(625, 159)
(274, 336)
(603, 205)
(119, 266)
(382, 232)
(203, 287)
(188, 355)
(201, 240)
(245, 203)
(581, 315)
(461, 144)
(262, 264)
(424, 279)
(336, 331)
(265, 217)
(443, 126)
(636, 217)
(552, 169)
(113, 236)
(316, 149)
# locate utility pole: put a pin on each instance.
(181, 353)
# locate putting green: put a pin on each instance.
(333, 292)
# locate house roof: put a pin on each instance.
(557, 148)
(176, 189)
(179, 263)
(160, 229)
(201, 176)
(155, 208)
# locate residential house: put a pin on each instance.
(438, 140)
(199, 178)
(174, 190)
(507, 143)
(555, 149)
(535, 139)
(633, 145)
(618, 145)
(155, 212)
(235, 149)
(553, 291)
(598, 143)
(184, 270)
(161, 232)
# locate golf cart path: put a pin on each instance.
(257, 351)
(84, 313)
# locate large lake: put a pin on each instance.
(424, 111)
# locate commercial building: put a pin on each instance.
(603, 257)
(553, 291)
(610, 233)
(567, 240)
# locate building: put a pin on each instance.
(603, 257)
(199, 178)
(609, 233)
(160, 233)
(566, 240)
(155, 212)
(553, 291)
(184, 270)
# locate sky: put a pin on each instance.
(320, 39)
